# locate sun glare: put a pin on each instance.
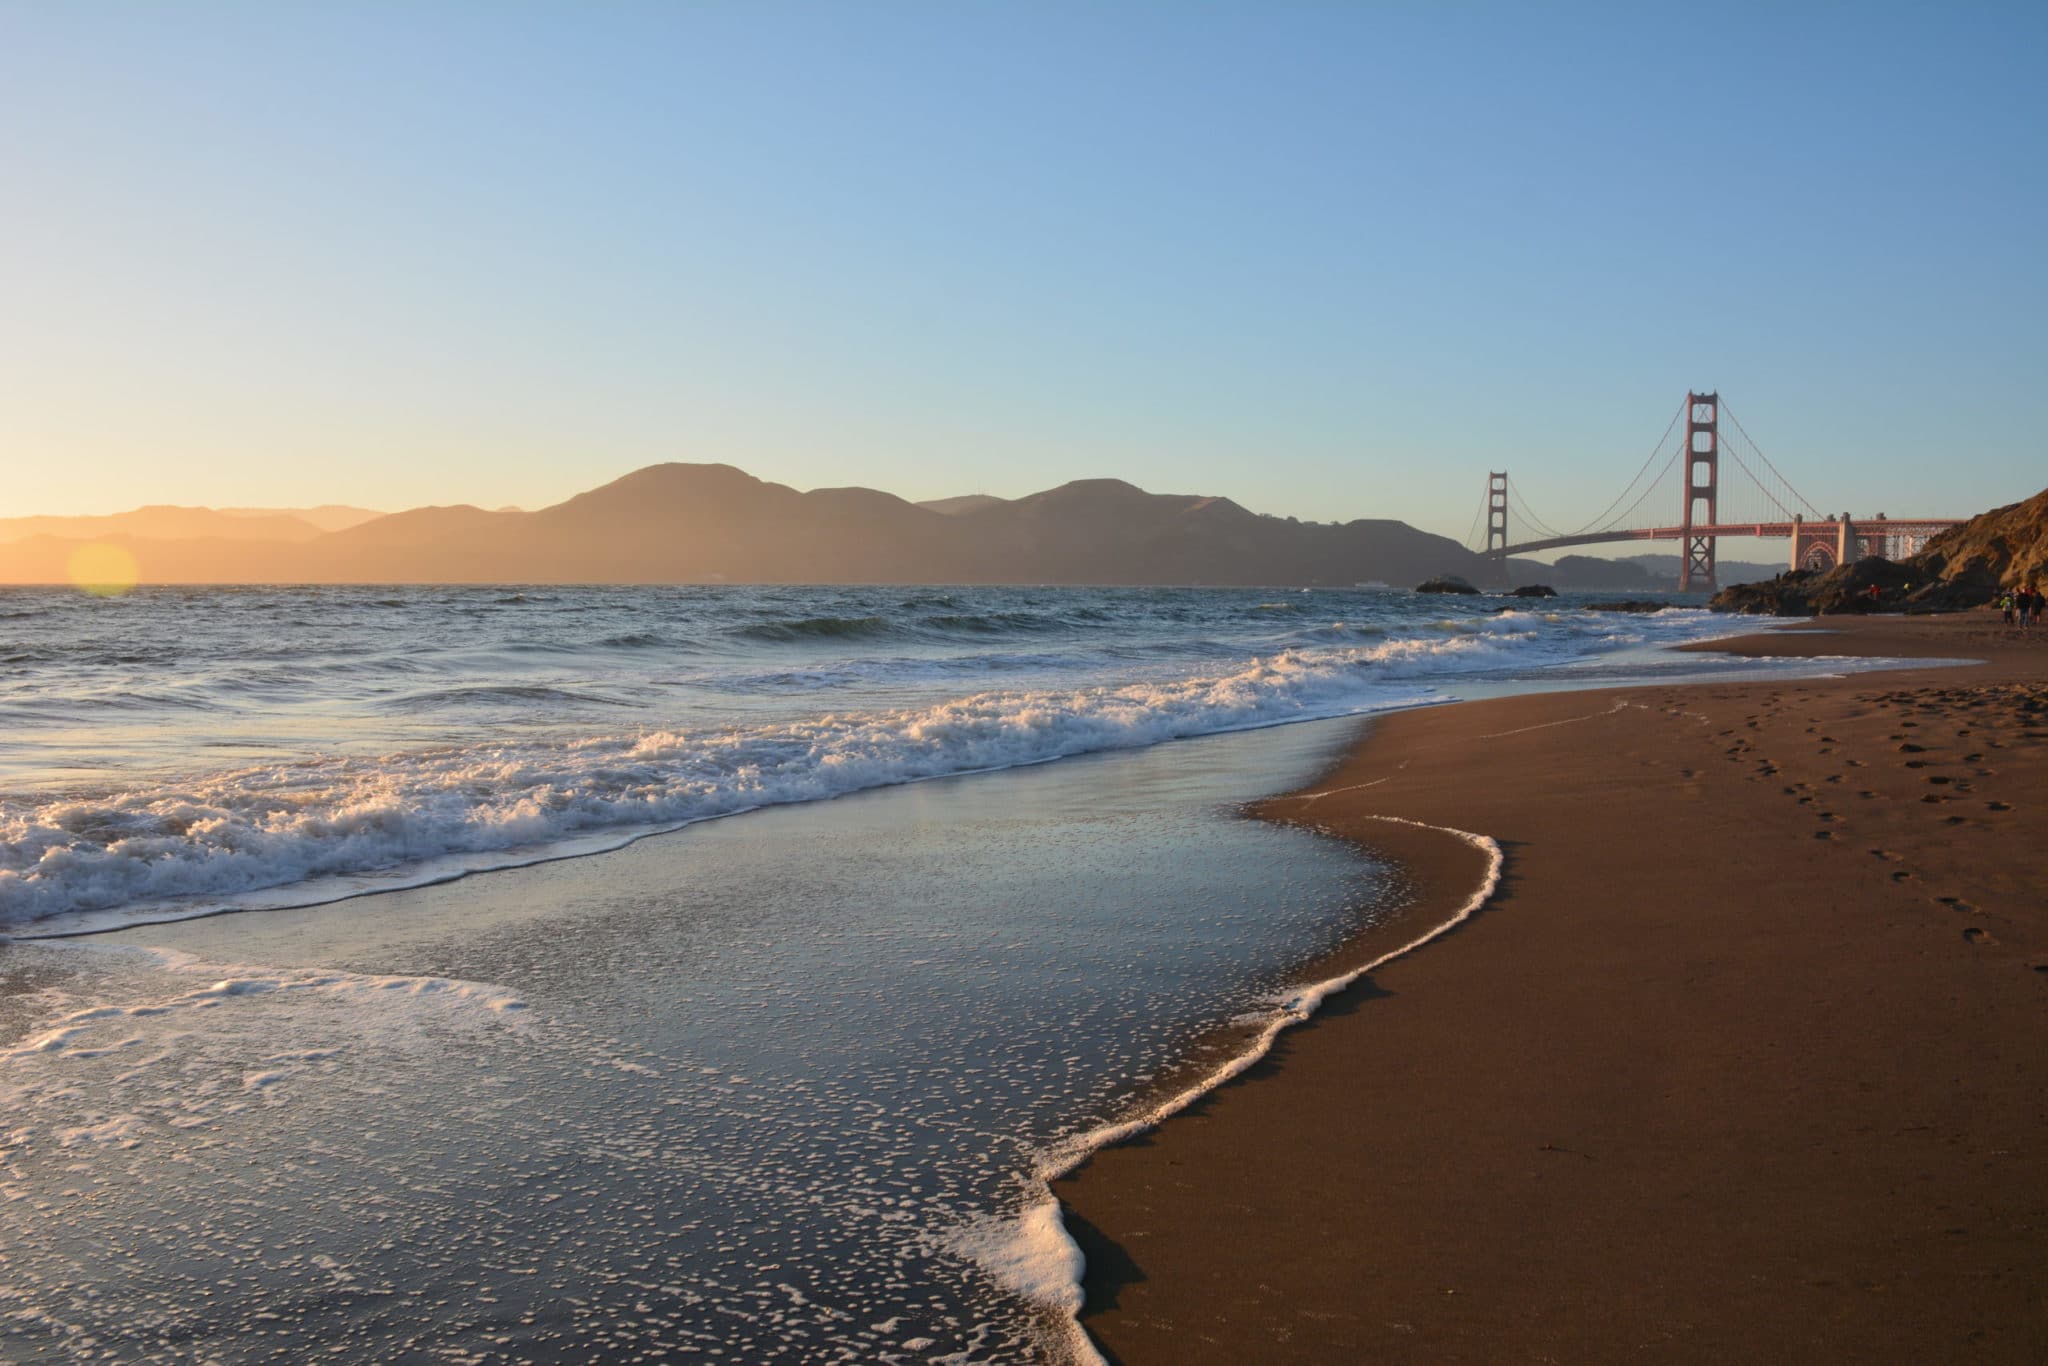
(105, 571)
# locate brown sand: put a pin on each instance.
(1747, 1060)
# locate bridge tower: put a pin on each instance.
(1702, 486)
(1497, 522)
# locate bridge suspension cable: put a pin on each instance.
(1528, 514)
(1805, 506)
(1601, 521)
(1655, 484)
(1472, 532)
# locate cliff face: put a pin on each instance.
(2004, 548)
(1965, 566)
(680, 523)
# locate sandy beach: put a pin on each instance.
(1747, 1059)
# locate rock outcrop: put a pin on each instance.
(1866, 586)
(1534, 590)
(1965, 566)
(1445, 583)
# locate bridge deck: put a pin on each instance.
(1893, 526)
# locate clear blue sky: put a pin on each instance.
(1330, 260)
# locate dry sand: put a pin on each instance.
(1747, 1060)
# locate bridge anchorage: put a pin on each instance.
(1760, 503)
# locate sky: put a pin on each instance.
(1329, 260)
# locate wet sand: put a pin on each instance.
(1747, 1059)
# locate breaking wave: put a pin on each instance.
(226, 834)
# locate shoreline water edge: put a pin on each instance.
(1332, 1192)
(1446, 875)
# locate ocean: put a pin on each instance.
(774, 1088)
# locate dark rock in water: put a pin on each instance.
(1784, 596)
(1445, 583)
(1872, 585)
(1628, 605)
(1534, 590)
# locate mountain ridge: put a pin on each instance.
(708, 523)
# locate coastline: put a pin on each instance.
(1747, 1054)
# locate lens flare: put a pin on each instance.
(103, 570)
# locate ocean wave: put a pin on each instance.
(242, 831)
(902, 670)
(815, 628)
(520, 694)
(992, 623)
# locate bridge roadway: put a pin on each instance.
(1872, 529)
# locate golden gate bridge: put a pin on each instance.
(1760, 502)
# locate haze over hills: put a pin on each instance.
(689, 523)
(327, 517)
(169, 523)
(966, 502)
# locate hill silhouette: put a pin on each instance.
(163, 522)
(699, 523)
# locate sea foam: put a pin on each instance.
(1032, 1254)
(330, 827)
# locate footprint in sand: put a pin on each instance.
(1912, 749)
(1977, 936)
(1998, 806)
(1902, 876)
(1955, 903)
